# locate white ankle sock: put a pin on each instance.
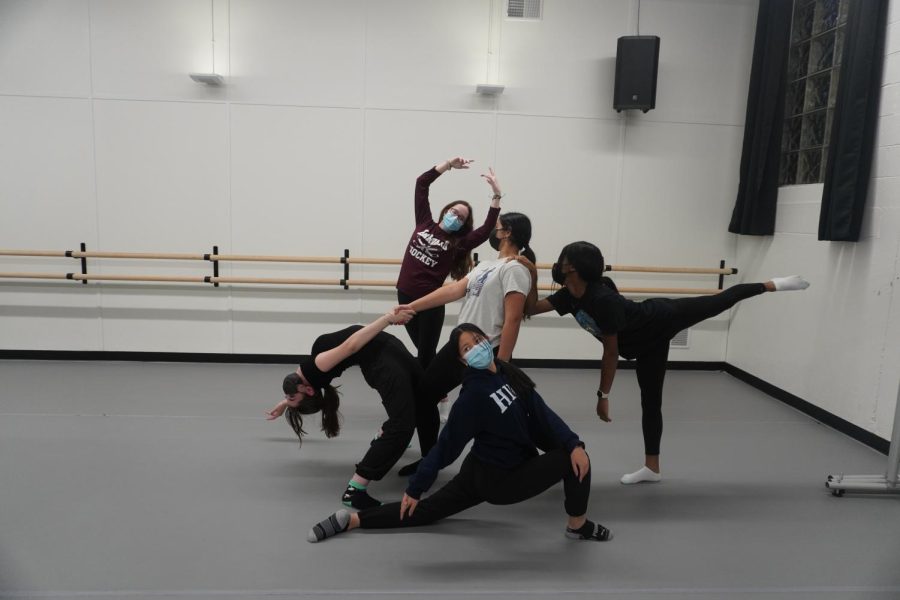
(642, 474)
(793, 282)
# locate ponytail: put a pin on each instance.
(331, 417)
(520, 382)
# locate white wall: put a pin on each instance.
(330, 112)
(837, 345)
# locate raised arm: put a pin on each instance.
(424, 181)
(476, 237)
(327, 360)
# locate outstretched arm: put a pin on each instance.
(327, 360)
(533, 306)
(439, 297)
(608, 365)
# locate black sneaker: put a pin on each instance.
(358, 499)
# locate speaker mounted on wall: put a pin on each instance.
(637, 62)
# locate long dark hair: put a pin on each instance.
(587, 260)
(519, 227)
(327, 400)
(520, 382)
(462, 259)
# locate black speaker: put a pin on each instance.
(637, 60)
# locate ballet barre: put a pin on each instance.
(214, 257)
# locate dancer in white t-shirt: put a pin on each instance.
(494, 292)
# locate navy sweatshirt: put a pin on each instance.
(507, 429)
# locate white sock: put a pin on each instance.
(642, 474)
(793, 282)
(444, 409)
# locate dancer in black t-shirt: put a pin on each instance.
(387, 367)
(634, 330)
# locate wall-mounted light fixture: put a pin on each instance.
(208, 78)
(489, 89)
(211, 78)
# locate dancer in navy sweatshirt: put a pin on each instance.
(499, 408)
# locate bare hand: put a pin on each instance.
(528, 264)
(400, 317)
(491, 178)
(603, 409)
(581, 464)
(407, 504)
(277, 411)
(460, 163)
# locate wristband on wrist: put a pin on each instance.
(602, 395)
(496, 196)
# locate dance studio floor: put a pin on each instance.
(147, 481)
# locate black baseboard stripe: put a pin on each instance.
(823, 416)
(178, 357)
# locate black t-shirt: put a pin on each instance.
(325, 342)
(603, 311)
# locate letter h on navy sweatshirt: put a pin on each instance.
(503, 397)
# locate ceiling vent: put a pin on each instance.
(524, 9)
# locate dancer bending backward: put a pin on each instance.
(387, 367)
(499, 408)
(635, 330)
(495, 293)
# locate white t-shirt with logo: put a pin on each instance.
(489, 283)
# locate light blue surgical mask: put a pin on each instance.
(480, 356)
(451, 222)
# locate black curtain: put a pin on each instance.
(754, 210)
(854, 123)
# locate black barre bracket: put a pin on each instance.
(84, 263)
(346, 262)
(215, 265)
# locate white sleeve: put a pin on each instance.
(516, 278)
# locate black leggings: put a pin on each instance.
(479, 482)
(396, 375)
(651, 362)
(424, 329)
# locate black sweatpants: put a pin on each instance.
(396, 375)
(479, 482)
(424, 329)
(651, 362)
(441, 377)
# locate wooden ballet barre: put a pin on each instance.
(346, 283)
(321, 260)
(637, 269)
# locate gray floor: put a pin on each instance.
(141, 480)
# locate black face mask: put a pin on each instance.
(493, 240)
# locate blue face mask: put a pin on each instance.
(480, 356)
(451, 222)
